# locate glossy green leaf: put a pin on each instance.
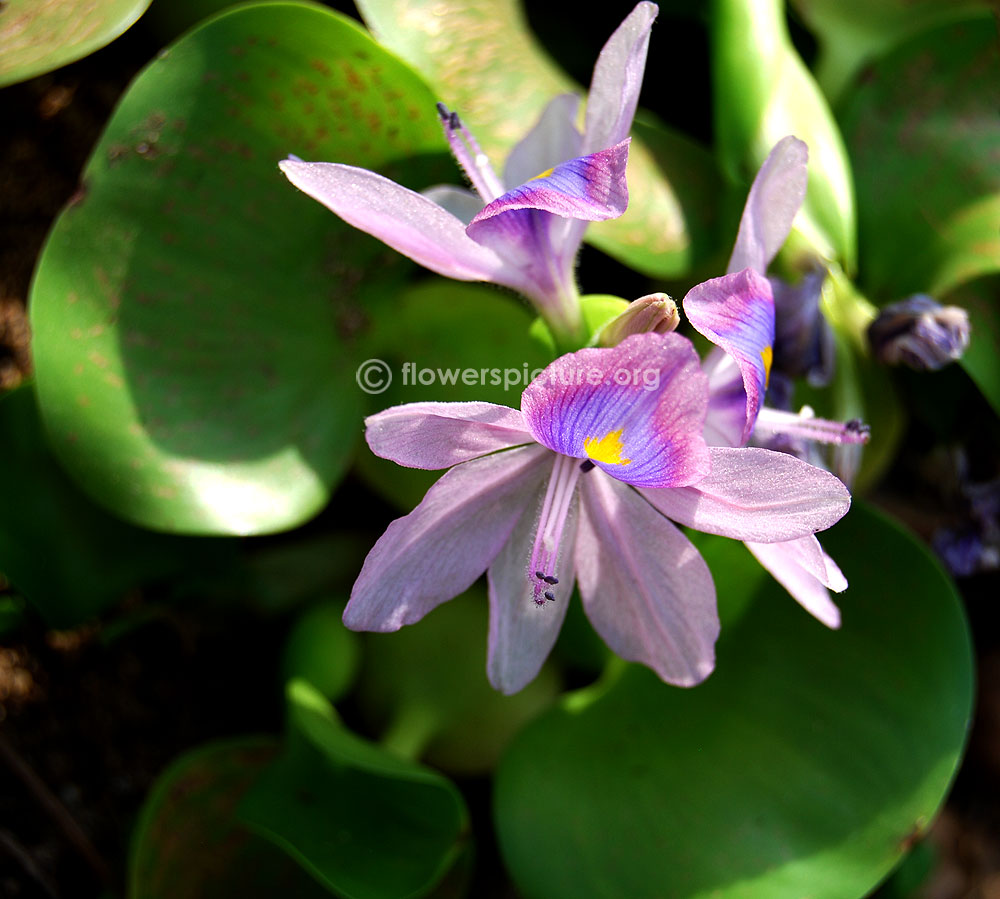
(321, 651)
(924, 136)
(36, 37)
(763, 92)
(484, 61)
(188, 843)
(69, 558)
(367, 823)
(192, 311)
(425, 686)
(443, 341)
(852, 33)
(804, 766)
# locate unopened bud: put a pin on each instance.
(920, 333)
(656, 313)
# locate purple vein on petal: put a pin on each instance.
(736, 312)
(637, 410)
(591, 188)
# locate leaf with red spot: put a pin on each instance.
(195, 317)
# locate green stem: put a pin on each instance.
(411, 731)
(847, 309)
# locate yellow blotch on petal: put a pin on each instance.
(767, 354)
(607, 449)
(544, 174)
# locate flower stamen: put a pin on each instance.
(549, 532)
(805, 425)
(469, 155)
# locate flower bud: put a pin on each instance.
(803, 339)
(920, 333)
(655, 313)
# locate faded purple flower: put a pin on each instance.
(523, 232)
(919, 332)
(579, 485)
(737, 313)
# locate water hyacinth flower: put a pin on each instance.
(919, 332)
(522, 232)
(581, 484)
(737, 313)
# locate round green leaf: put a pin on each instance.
(368, 824)
(69, 558)
(36, 37)
(192, 311)
(804, 766)
(485, 62)
(426, 687)
(764, 92)
(442, 341)
(321, 651)
(925, 140)
(188, 842)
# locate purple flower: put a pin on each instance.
(919, 332)
(524, 235)
(737, 313)
(578, 486)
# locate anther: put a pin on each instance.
(550, 579)
(549, 595)
(454, 122)
(540, 575)
(586, 465)
(443, 112)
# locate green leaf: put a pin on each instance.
(443, 341)
(925, 139)
(365, 822)
(321, 651)
(188, 843)
(426, 686)
(70, 559)
(192, 311)
(764, 92)
(855, 32)
(804, 766)
(37, 37)
(483, 60)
